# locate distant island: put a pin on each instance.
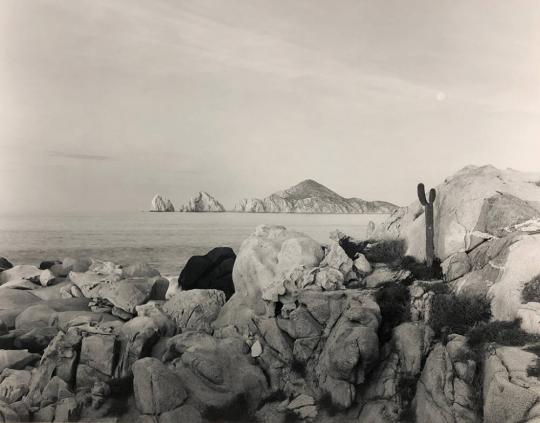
(308, 196)
(203, 202)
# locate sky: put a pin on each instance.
(105, 103)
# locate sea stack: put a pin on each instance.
(203, 202)
(161, 204)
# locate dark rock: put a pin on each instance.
(47, 264)
(5, 264)
(211, 271)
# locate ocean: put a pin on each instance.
(164, 240)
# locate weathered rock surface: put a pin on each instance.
(444, 392)
(509, 394)
(136, 338)
(157, 389)
(195, 309)
(14, 384)
(269, 255)
(24, 271)
(203, 202)
(311, 197)
(161, 204)
(16, 359)
(211, 271)
(216, 373)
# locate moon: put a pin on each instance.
(441, 96)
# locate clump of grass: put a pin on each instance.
(531, 290)
(394, 301)
(458, 314)
(436, 288)
(507, 333)
(391, 251)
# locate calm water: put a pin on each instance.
(165, 240)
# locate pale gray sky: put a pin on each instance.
(104, 103)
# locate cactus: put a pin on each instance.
(428, 205)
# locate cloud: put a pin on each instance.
(78, 156)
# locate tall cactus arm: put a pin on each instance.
(422, 194)
(432, 195)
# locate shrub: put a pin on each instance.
(291, 417)
(458, 314)
(420, 270)
(390, 251)
(508, 333)
(394, 301)
(534, 369)
(436, 288)
(406, 388)
(531, 290)
(298, 367)
(326, 403)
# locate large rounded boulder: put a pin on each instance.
(268, 255)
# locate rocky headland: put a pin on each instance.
(290, 330)
(311, 197)
(202, 202)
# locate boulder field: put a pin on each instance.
(288, 329)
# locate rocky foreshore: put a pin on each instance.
(288, 329)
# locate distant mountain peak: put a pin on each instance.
(310, 196)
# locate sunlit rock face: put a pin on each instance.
(203, 202)
(161, 204)
(475, 204)
(311, 197)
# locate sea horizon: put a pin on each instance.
(164, 240)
